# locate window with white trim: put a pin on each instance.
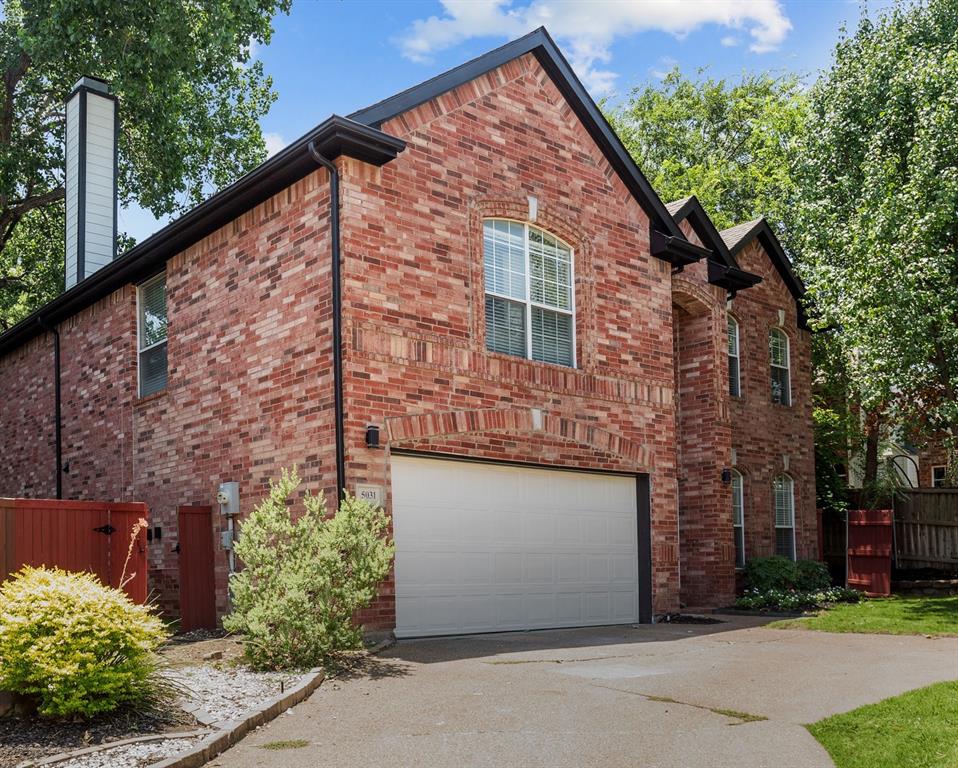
(530, 301)
(734, 367)
(738, 517)
(779, 364)
(151, 335)
(784, 492)
(939, 476)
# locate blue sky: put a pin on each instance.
(335, 56)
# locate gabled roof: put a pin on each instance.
(739, 236)
(734, 236)
(723, 269)
(543, 47)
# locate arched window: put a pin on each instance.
(784, 492)
(738, 517)
(778, 361)
(734, 367)
(530, 303)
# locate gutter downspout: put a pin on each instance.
(58, 431)
(337, 321)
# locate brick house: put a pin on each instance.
(501, 332)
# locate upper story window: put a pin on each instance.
(784, 491)
(939, 476)
(734, 367)
(151, 335)
(530, 303)
(738, 517)
(778, 361)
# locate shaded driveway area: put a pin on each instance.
(650, 696)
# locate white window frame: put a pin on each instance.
(140, 349)
(939, 482)
(791, 498)
(738, 528)
(738, 357)
(787, 367)
(527, 300)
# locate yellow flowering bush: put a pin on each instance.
(74, 645)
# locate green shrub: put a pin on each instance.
(305, 578)
(74, 645)
(789, 600)
(777, 572)
(811, 576)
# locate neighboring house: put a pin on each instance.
(501, 333)
(933, 460)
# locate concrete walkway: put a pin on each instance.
(614, 696)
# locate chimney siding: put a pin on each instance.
(90, 180)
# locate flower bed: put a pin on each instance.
(792, 600)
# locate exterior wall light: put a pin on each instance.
(727, 476)
(372, 436)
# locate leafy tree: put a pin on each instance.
(190, 102)
(879, 195)
(732, 145)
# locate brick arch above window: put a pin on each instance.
(552, 218)
(415, 427)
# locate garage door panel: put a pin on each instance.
(624, 569)
(485, 547)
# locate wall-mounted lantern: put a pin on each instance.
(372, 436)
(727, 476)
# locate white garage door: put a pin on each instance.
(488, 547)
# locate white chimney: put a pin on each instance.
(90, 179)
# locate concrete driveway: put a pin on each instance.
(615, 696)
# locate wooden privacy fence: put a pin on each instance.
(870, 537)
(89, 536)
(926, 528)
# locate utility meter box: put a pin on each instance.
(227, 496)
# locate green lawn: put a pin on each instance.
(936, 616)
(918, 729)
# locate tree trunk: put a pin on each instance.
(872, 432)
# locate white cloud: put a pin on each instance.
(729, 41)
(274, 143)
(587, 28)
(667, 65)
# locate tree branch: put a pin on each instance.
(22, 207)
(10, 79)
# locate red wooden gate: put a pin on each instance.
(89, 536)
(870, 539)
(197, 587)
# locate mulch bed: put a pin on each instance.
(30, 739)
(686, 618)
(24, 739)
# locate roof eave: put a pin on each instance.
(335, 137)
(543, 47)
(730, 278)
(676, 250)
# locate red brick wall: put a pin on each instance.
(250, 384)
(764, 433)
(932, 454)
(705, 522)
(26, 421)
(96, 387)
(414, 300)
(704, 437)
